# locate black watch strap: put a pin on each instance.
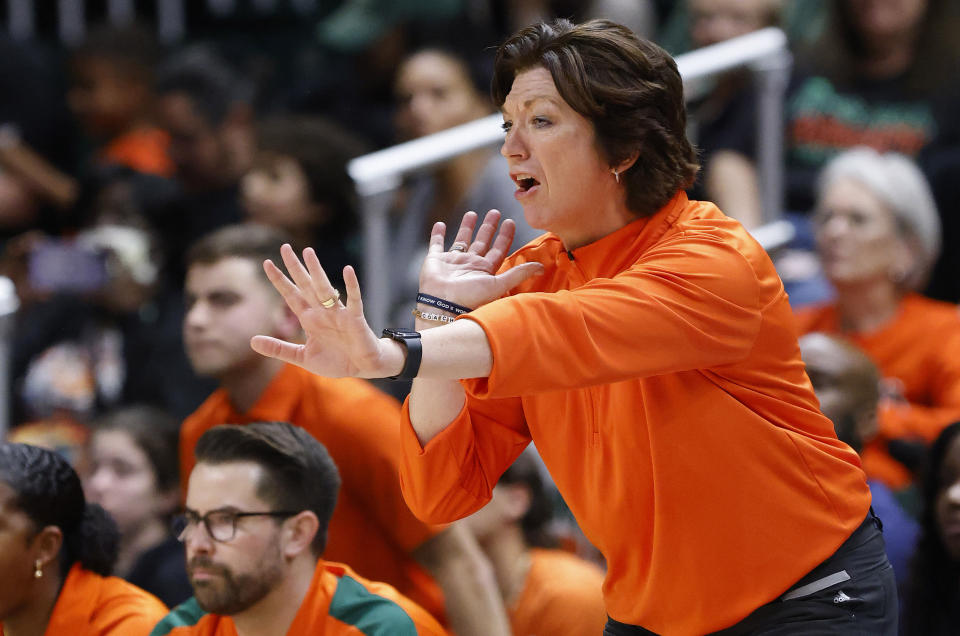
(411, 341)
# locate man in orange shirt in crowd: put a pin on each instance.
(229, 300)
(546, 590)
(255, 523)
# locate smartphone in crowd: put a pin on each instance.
(62, 265)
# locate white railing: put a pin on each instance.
(378, 174)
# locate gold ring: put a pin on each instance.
(330, 302)
(458, 247)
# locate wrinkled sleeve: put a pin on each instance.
(454, 474)
(689, 303)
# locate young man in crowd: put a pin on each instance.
(229, 300)
(254, 526)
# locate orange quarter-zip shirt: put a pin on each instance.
(658, 372)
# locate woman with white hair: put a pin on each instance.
(878, 235)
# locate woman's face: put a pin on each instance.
(948, 500)
(857, 237)
(433, 92)
(123, 481)
(16, 555)
(276, 193)
(563, 183)
(882, 20)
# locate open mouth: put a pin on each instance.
(525, 182)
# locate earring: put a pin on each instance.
(616, 175)
(38, 569)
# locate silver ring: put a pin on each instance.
(330, 302)
(458, 247)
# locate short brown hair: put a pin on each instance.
(249, 241)
(629, 88)
(298, 473)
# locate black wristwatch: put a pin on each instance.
(411, 341)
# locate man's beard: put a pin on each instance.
(230, 594)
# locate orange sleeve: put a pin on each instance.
(455, 473)
(367, 439)
(688, 303)
(143, 150)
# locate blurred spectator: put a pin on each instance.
(436, 90)
(206, 107)
(721, 107)
(299, 183)
(102, 327)
(111, 95)
(230, 300)
(877, 235)
(33, 115)
(255, 526)
(848, 386)
(56, 554)
(932, 604)
(134, 474)
(545, 590)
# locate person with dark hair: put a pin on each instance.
(932, 604)
(847, 384)
(546, 590)
(134, 474)
(229, 301)
(111, 95)
(299, 183)
(645, 344)
(56, 555)
(436, 89)
(255, 524)
(207, 109)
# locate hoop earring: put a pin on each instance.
(37, 569)
(616, 175)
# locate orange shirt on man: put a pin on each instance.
(338, 603)
(94, 605)
(562, 596)
(658, 372)
(372, 528)
(918, 355)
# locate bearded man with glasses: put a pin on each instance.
(255, 523)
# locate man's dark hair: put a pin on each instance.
(629, 88)
(156, 433)
(212, 85)
(535, 523)
(250, 241)
(298, 473)
(48, 491)
(132, 50)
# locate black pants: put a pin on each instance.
(852, 592)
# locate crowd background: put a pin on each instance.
(122, 142)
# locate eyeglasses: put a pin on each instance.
(221, 525)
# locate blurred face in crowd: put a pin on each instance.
(197, 147)
(276, 193)
(507, 505)
(104, 99)
(231, 576)
(434, 92)
(857, 236)
(845, 383)
(229, 302)
(556, 163)
(16, 555)
(123, 481)
(880, 21)
(948, 500)
(713, 21)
